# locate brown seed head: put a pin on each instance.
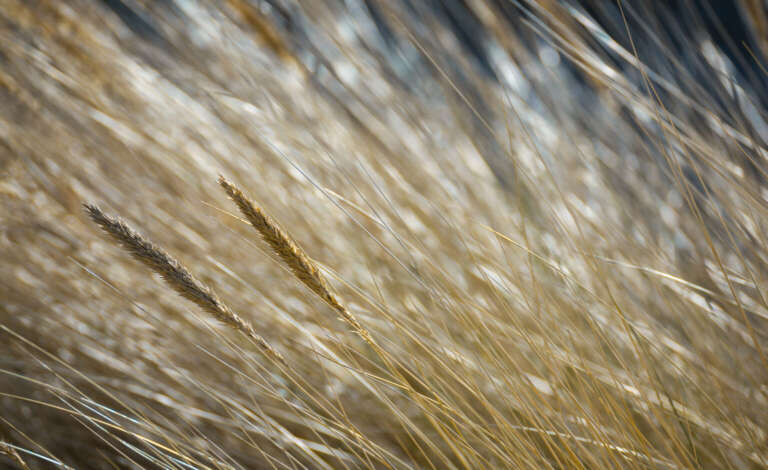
(291, 253)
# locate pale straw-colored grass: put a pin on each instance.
(485, 237)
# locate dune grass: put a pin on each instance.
(548, 255)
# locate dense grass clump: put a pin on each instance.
(373, 234)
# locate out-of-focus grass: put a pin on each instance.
(558, 250)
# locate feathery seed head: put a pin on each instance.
(291, 254)
(174, 274)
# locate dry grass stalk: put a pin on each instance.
(588, 317)
(6, 449)
(292, 255)
(176, 275)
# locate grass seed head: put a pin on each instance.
(175, 275)
(291, 254)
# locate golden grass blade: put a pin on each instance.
(13, 454)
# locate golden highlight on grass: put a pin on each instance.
(292, 255)
(176, 275)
